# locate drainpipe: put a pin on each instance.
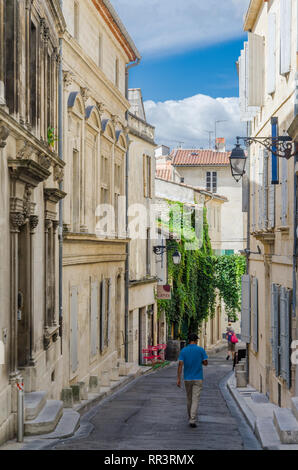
(128, 67)
(248, 132)
(295, 264)
(60, 152)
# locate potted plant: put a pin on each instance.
(52, 138)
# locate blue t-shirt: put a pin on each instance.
(192, 357)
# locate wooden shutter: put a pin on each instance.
(245, 193)
(74, 328)
(94, 318)
(275, 327)
(271, 201)
(265, 189)
(284, 192)
(245, 310)
(144, 175)
(247, 112)
(285, 35)
(255, 313)
(271, 54)
(285, 333)
(253, 224)
(256, 70)
(260, 191)
(102, 313)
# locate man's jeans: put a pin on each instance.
(193, 391)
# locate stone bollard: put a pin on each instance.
(76, 393)
(105, 379)
(67, 397)
(241, 380)
(93, 384)
(83, 391)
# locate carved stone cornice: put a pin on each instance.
(24, 149)
(27, 171)
(4, 133)
(53, 194)
(268, 240)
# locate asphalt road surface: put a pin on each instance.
(150, 414)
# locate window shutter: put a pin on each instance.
(271, 202)
(256, 70)
(285, 35)
(285, 333)
(245, 194)
(109, 309)
(275, 326)
(144, 175)
(255, 313)
(265, 189)
(102, 314)
(74, 328)
(271, 54)
(284, 191)
(261, 191)
(253, 194)
(245, 310)
(94, 318)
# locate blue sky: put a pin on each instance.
(209, 70)
(187, 73)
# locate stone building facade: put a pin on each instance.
(30, 172)
(268, 103)
(96, 50)
(142, 323)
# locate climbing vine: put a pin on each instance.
(199, 277)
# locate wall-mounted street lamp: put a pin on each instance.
(280, 146)
(161, 249)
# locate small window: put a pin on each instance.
(208, 181)
(214, 181)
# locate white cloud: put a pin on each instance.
(188, 120)
(168, 26)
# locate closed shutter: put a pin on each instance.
(265, 189)
(275, 327)
(255, 313)
(102, 313)
(285, 333)
(271, 201)
(144, 176)
(253, 194)
(247, 113)
(260, 191)
(94, 318)
(271, 54)
(245, 309)
(285, 35)
(109, 311)
(245, 193)
(256, 70)
(284, 192)
(74, 328)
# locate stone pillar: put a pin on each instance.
(55, 320)
(33, 224)
(17, 219)
(48, 226)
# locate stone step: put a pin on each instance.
(33, 404)
(47, 419)
(295, 407)
(67, 426)
(286, 426)
(266, 433)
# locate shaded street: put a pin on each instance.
(151, 414)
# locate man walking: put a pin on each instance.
(192, 357)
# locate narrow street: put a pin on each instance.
(151, 414)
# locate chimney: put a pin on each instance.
(220, 144)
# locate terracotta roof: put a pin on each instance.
(164, 173)
(196, 157)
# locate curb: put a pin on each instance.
(247, 413)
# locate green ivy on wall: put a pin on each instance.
(199, 276)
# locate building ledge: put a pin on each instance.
(139, 282)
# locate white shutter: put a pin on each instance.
(265, 188)
(256, 70)
(247, 113)
(253, 224)
(271, 53)
(245, 309)
(271, 201)
(109, 309)
(275, 326)
(102, 314)
(284, 192)
(261, 191)
(285, 35)
(285, 333)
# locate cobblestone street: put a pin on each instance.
(151, 414)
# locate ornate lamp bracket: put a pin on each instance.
(281, 146)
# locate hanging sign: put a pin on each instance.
(164, 292)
